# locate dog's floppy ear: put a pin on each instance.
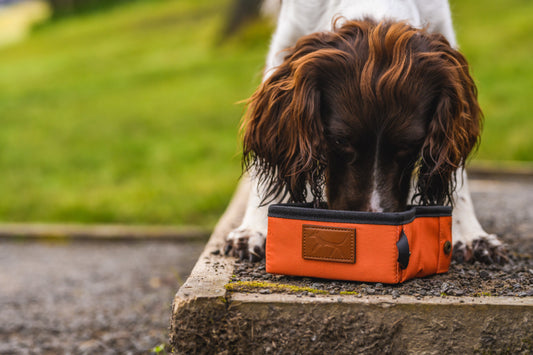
(454, 128)
(283, 135)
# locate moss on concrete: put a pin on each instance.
(256, 286)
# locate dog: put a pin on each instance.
(366, 106)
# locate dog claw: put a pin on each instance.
(227, 248)
(256, 254)
(459, 253)
(501, 255)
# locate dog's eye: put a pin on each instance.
(343, 147)
(341, 142)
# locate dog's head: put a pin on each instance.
(358, 110)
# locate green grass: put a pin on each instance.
(497, 39)
(129, 115)
(126, 116)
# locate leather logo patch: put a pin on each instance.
(328, 244)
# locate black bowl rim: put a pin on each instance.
(308, 213)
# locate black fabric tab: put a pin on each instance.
(403, 251)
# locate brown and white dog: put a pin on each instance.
(368, 106)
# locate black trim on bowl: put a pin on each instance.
(308, 213)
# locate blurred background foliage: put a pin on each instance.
(127, 111)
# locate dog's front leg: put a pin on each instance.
(247, 242)
(471, 242)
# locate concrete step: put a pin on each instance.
(211, 316)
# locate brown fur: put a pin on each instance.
(369, 95)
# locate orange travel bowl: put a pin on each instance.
(358, 246)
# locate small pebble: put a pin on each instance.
(445, 287)
(484, 274)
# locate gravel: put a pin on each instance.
(89, 297)
(503, 207)
(513, 279)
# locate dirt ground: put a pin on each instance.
(503, 207)
(89, 297)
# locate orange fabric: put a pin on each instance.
(376, 253)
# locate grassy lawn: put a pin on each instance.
(130, 115)
(497, 39)
(125, 116)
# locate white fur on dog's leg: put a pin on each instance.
(247, 242)
(471, 242)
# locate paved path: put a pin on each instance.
(89, 298)
(505, 207)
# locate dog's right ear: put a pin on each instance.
(455, 127)
(283, 136)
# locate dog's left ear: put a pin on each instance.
(454, 128)
(283, 135)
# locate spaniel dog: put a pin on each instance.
(371, 114)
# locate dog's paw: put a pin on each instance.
(486, 249)
(245, 244)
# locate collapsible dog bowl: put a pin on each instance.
(358, 246)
